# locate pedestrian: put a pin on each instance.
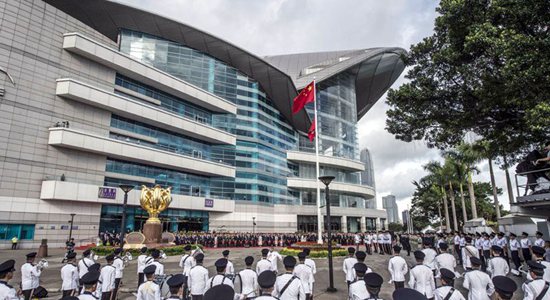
(504, 288)
(14, 241)
(303, 272)
(288, 286)
(478, 283)
(444, 260)
(230, 269)
(176, 286)
(108, 278)
(514, 252)
(149, 290)
(266, 282)
(198, 277)
(538, 252)
(358, 288)
(30, 276)
(397, 266)
(264, 264)
(70, 276)
(536, 288)
(408, 294)
(249, 279)
(219, 278)
(447, 290)
(187, 262)
(373, 281)
(497, 266)
(142, 261)
(526, 246)
(421, 276)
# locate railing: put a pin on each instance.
(528, 185)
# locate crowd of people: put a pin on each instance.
(487, 262)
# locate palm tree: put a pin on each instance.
(483, 149)
(451, 175)
(438, 175)
(460, 175)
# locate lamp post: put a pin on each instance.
(253, 225)
(327, 180)
(71, 226)
(126, 188)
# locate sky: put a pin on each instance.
(271, 27)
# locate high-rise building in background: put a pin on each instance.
(107, 94)
(367, 176)
(392, 211)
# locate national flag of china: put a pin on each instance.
(306, 96)
(311, 133)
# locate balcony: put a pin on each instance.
(348, 188)
(331, 161)
(126, 65)
(88, 142)
(136, 110)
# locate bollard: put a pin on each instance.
(43, 250)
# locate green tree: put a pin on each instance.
(438, 177)
(395, 227)
(486, 70)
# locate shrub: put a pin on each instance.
(315, 253)
(169, 251)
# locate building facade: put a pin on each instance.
(367, 176)
(392, 211)
(105, 94)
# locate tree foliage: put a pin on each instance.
(486, 70)
(395, 227)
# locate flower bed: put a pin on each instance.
(169, 251)
(313, 246)
(315, 253)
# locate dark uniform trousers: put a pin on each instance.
(141, 278)
(399, 284)
(68, 293)
(117, 285)
(515, 259)
(196, 297)
(106, 295)
(526, 254)
(27, 294)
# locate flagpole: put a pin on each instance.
(319, 216)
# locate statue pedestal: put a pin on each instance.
(152, 233)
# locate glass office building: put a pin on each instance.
(107, 94)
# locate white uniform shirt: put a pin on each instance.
(502, 242)
(198, 276)
(368, 240)
(294, 291)
(486, 245)
(118, 263)
(160, 268)
(311, 264)
(525, 243)
(445, 261)
(498, 266)
(546, 275)
(358, 290)
(87, 296)
(303, 272)
(514, 245)
(148, 291)
(387, 238)
(141, 263)
(83, 266)
(357, 239)
(380, 238)
(422, 280)
(273, 256)
(347, 267)
(263, 265)
(229, 269)
(462, 241)
(107, 277)
(218, 280)
(456, 240)
(7, 292)
(69, 276)
(186, 263)
(532, 290)
(398, 268)
(429, 260)
(30, 276)
(479, 285)
(442, 292)
(539, 242)
(249, 282)
(479, 244)
(468, 252)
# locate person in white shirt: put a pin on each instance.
(380, 239)
(358, 288)
(197, 279)
(303, 271)
(85, 263)
(486, 250)
(447, 290)
(357, 240)
(445, 260)
(373, 282)
(288, 286)
(219, 278)
(264, 264)
(118, 263)
(266, 281)
(539, 241)
(478, 283)
(502, 242)
(538, 252)
(514, 251)
(274, 256)
(387, 242)
(142, 261)
(421, 276)
(108, 278)
(89, 281)
(7, 292)
(30, 275)
(467, 252)
(149, 290)
(368, 243)
(159, 270)
(504, 288)
(187, 262)
(526, 244)
(69, 276)
(429, 259)
(311, 263)
(348, 264)
(536, 288)
(397, 266)
(248, 279)
(456, 243)
(175, 285)
(230, 269)
(497, 265)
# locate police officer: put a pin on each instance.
(187, 262)
(263, 264)
(429, 258)
(447, 290)
(141, 264)
(273, 256)
(249, 279)
(303, 272)
(220, 292)
(478, 283)
(358, 289)
(155, 254)
(445, 260)
(421, 276)
(525, 246)
(311, 263)
(398, 268)
(118, 263)
(108, 278)
(30, 276)
(497, 266)
(504, 287)
(89, 281)
(149, 290)
(538, 252)
(266, 281)
(537, 288)
(408, 294)
(348, 264)
(468, 252)
(70, 276)
(198, 276)
(7, 292)
(373, 281)
(85, 263)
(514, 251)
(219, 278)
(288, 286)
(230, 269)
(175, 284)
(539, 241)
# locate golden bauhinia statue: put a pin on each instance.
(154, 200)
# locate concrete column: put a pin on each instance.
(344, 224)
(363, 224)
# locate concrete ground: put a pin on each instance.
(50, 278)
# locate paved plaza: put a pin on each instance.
(51, 277)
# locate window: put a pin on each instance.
(22, 231)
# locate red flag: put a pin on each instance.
(311, 133)
(305, 97)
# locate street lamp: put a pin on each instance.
(327, 180)
(126, 188)
(253, 225)
(71, 226)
